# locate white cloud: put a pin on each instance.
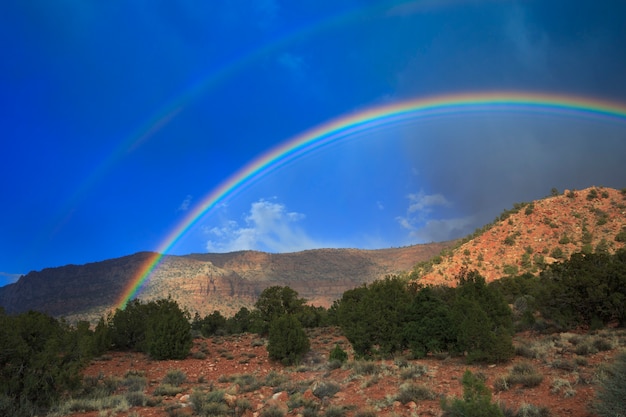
(443, 229)
(423, 203)
(184, 206)
(268, 227)
(422, 227)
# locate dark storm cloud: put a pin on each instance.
(556, 46)
(485, 164)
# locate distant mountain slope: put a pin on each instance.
(208, 282)
(532, 235)
(521, 240)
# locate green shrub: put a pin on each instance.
(288, 341)
(510, 269)
(413, 371)
(563, 364)
(275, 302)
(562, 386)
(612, 390)
(557, 253)
(168, 334)
(524, 374)
(338, 354)
(362, 367)
(482, 321)
(335, 411)
(326, 389)
(414, 392)
(40, 359)
(174, 377)
(275, 379)
(167, 390)
(209, 403)
(273, 411)
(564, 240)
(476, 400)
(530, 410)
(593, 194)
(246, 382)
(136, 399)
(134, 382)
(428, 327)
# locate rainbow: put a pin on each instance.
(377, 117)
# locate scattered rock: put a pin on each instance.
(281, 396)
(230, 399)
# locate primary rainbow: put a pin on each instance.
(377, 117)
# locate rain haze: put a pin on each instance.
(119, 119)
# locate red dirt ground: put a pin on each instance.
(243, 354)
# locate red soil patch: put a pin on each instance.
(243, 355)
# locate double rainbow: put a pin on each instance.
(347, 126)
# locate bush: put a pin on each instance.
(372, 317)
(338, 354)
(362, 367)
(40, 359)
(275, 302)
(209, 403)
(414, 392)
(273, 411)
(612, 390)
(136, 399)
(167, 390)
(476, 400)
(326, 389)
(429, 326)
(159, 328)
(482, 319)
(530, 410)
(134, 382)
(525, 375)
(168, 334)
(174, 377)
(287, 340)
(413, 371)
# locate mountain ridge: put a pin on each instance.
(207, 282)
(524, 239)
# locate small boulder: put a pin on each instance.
(281, 396)
(230, 399)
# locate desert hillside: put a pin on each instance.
(207, 282)
(532, 235)
(522, 240)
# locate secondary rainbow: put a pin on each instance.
(348, 126)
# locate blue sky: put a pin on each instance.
(119, 117)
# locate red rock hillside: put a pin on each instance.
(532, 235)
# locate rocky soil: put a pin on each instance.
(237, 369)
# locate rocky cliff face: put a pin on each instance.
(207, 282)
